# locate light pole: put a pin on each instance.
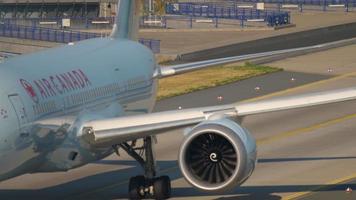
(150, 7)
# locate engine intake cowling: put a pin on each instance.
(217, 155)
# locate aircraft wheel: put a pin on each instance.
(162, 188)
(136, 187)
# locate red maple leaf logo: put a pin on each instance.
(29, 89)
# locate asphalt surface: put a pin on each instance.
(240, 90)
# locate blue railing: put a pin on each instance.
(305, 2)
(60, 35)
(324, 5)
(273, 18)
(246, 20)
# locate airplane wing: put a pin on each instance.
(166, 71)
(7, 54)
(111, 131)
(121, 129)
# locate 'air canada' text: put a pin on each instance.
(56, 84)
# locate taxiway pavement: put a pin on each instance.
(299, 150)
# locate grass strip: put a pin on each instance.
(209, 77)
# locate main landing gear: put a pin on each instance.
(147, 186)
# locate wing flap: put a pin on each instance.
(7, 55)
(116, 130)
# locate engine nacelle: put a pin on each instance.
(217, 155)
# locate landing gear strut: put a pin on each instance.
(147, 186)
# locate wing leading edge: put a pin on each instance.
(111, 131)
(184, 68)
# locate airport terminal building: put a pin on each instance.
(35, 9)
(46, 9)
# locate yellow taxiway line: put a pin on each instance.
(308, 129)
(298, 195)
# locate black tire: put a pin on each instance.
(134, 186)
(162, 188)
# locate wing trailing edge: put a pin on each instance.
(117, 130)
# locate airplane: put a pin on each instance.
(66, 107)
(4, 55)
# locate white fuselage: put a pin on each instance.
(93, 79)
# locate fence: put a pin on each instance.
(305, 2)
(57, 22)
(248, 19)
(187, 15)
(59, 35)
(39, 9)
(323, 5)
(273, 18)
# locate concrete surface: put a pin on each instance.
(340, 61)
(96, 177)
(299, 150)
(336, 191)
(174, 43)
(23, 46)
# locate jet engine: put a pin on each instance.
(217, 155)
